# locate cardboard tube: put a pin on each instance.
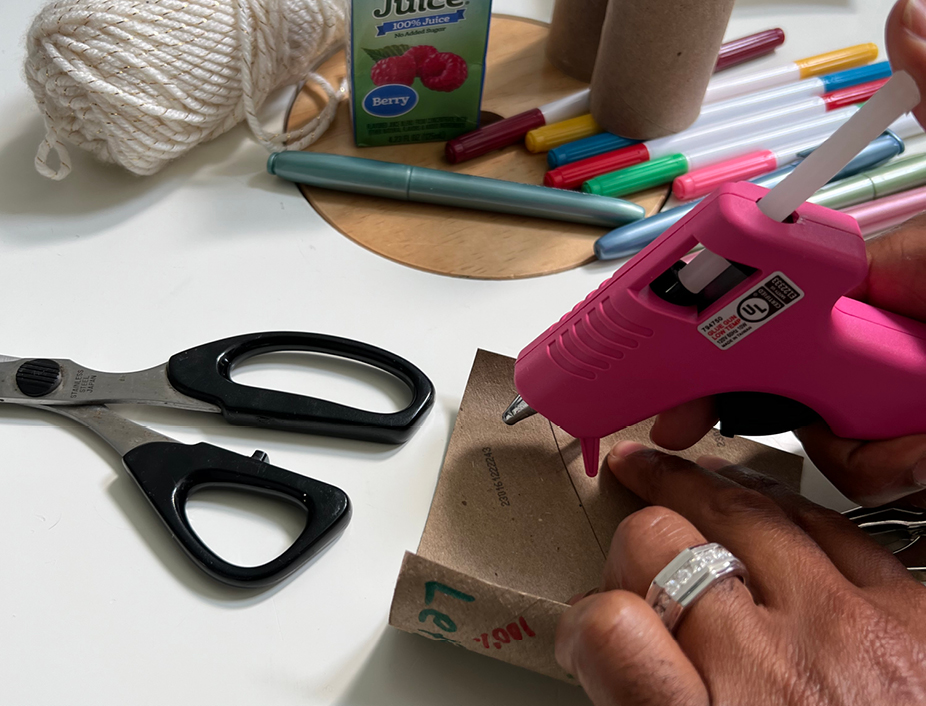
(573, 40)
(654, 62)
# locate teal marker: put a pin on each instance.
(407, 183)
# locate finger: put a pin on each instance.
(579, 596)
(896, 265)
(622, 655)
(643, 545)
(683, 426)
(747, 523)
(905, 33)
(869, 472)
(860, 559)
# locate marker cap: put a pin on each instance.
(333, 171)
(889, 179)
(888, 212)
(638, 177)
(492, 137)
(585, 148)
(550, 136)
(737, 51)
(572, 175)
(839, 59)
(702, 181)
(853, 77)
(899, 176)
(853, 94)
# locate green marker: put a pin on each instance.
(899, 175)
(638, 177)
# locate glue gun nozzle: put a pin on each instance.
(517, 410)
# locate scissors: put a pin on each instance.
(895, 528)
(198, 379)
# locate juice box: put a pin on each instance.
(416, 68)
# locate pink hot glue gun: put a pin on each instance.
(759, 318)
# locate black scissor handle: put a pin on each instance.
(167, 472)
(204, 373)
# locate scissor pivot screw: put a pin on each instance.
(36, 378)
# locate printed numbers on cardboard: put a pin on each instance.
(502, 636)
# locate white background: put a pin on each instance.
(97, 604)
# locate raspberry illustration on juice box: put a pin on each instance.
(438, 71)
(417, 69)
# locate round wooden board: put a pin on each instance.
(456, 241)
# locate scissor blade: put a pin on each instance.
(120, 433)
(8, 359)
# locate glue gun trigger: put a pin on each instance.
(761, 413)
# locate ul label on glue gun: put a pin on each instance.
(757, 307)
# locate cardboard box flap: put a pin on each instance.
(505, 506)
(450, 606)
(517, 527)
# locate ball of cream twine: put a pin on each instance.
(141, 83)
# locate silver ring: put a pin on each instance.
(688, 577)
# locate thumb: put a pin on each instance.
(905, 35)
(622, 654)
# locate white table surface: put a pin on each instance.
(97, 604)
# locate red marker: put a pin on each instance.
(510, 130)
(792, 110)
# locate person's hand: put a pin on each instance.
(829, 616)
(905, 36)
(869, 472)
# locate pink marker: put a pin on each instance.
(876, 216)
(700, 182)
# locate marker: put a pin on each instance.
(630, 239)
(510, 130)
(881, 214)
(546, 138)
(407, 183)
(697, 137)
(700, 182)
(895, 177)
(664, 169)
(726, 110)
(737, 51)
(724, 87)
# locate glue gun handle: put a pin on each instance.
(872, 381)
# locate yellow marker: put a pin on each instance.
(735, 84)
(543, 139)
(838, 60)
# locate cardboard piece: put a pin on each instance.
(516, 528)
(653, 64)
(574, 33)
